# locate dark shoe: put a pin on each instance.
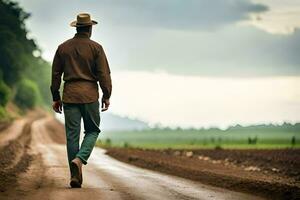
(74, 183)
(76, 165)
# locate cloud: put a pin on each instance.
(233, 51)
(282, 17)
(178, 14)
(195, 38)
(167, 14)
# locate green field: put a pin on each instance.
(262, 136)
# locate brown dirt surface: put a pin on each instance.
(22, 170)
(272, 174)
(14, 150)
(4, 125)
(56, 131)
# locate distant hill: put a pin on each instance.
(267, 127)
(114, 122)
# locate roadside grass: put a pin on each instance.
(195, 146)
(193, 139)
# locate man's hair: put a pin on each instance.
(83, 29)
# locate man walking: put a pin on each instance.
(83, 63)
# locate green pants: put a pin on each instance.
(89, 112)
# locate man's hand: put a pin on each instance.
(57, 106)
(105, 104)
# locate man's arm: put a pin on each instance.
(57, 70)
(103, 75)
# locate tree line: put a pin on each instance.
(24, 75)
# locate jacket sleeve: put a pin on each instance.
(57, 70)
(103, 73)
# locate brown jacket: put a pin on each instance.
(82, 63)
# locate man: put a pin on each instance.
(83, 63)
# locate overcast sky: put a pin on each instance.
(189, 51)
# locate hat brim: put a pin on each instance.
(74, 24)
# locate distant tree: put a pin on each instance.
(108, 142)
(4, 93)
(252, 140)
(27, 94)
(126, 145)
(255, 140)
(293, 141)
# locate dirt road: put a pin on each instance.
(104, 177)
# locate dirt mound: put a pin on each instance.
(14, 150)
(56, 131)
(241, 170)
(279, 161)
(4, 125)
(14, 158)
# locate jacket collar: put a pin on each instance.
(82, 35)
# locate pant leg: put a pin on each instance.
(72, 114)
(91, 120)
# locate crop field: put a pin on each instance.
(263, 137)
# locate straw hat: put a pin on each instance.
(83, 19)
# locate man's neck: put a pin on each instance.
(83, 34)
